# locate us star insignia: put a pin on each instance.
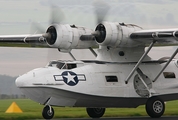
(70, 78)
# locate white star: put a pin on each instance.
(69, 77)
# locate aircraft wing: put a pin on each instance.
(161, 36)
(36, 38)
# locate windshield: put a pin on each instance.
(62, 64)
(69, 66)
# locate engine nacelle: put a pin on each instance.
(113, 34)
(67, 37)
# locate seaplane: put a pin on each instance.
(122, 75)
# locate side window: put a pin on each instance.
(71, 66)
(111, 78)
(169, 75)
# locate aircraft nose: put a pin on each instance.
(19, 81)
(22, 80)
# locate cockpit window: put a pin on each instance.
(69, 66)
(60, 65)
(52, 63)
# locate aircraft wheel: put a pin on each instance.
(47, 114)
(95, 112)
(155, 107)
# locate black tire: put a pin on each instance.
(95, 112)
(46, 112)
(155, 107)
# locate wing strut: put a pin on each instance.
(94, 53)
(139, 62)
(72, 55)
(170, 59)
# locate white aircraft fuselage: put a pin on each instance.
(99, 83)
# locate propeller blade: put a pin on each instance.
(36, 28)
(57, 15)
(101, 9)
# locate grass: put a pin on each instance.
(32, 110)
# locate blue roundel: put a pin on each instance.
(70, 78)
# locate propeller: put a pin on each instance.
(57, 16)
(50, 35)
(100, 33)
(101, 8)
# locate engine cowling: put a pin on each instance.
(114, 34)
(68, 37)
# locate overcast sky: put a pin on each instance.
(17, 16)
(17, 61)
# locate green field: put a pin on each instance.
(32, 110)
